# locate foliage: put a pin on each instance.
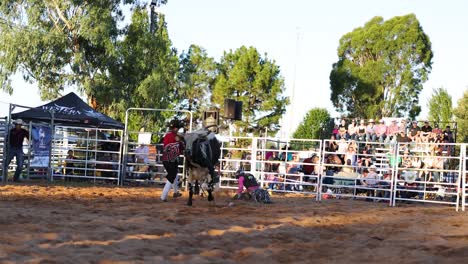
(440, 106)
(244, 75)
(57, 43)
(195, 80)
(143, 74)
(381, 68)
(461, 114)
(315, 124)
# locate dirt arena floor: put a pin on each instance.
(90, 224)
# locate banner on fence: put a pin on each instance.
(41, 140)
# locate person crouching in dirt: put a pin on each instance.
(172, 149)
(253, 190)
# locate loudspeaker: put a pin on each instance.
(229, 108)
(238, 111)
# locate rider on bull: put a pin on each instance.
(173, 147)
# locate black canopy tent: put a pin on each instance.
(69, 110)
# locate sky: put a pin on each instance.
(302, 37)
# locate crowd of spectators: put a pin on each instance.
(369, 131)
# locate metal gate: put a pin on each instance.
(142, 162)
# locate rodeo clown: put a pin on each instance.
(252, 187)
(173, 147)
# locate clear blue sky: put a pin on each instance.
(273, 27)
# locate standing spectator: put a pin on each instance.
(380, 131)
(172, 148)
(370, 131)
(361, 131)
(426, 131)
(342, 131)
(414, 131)
(352, 129)
(16, 138)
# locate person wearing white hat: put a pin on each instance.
(15, 149)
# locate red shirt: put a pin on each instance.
(171, 147)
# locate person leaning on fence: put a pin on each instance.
(172, 148)
(16, 138)
(248, 181)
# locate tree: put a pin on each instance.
(195, 80)
(315, 124)
(244, 75)
(461, 114)
(440, 106)
(143, 74)
(58, 43)
(381, 68)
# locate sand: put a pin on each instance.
(92, 224)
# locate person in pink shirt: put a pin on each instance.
(392, 131)
(246, 180)
(380, 131)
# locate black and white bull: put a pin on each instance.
(202, 153)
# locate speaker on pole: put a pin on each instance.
(229, 108)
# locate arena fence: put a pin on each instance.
(428, 172)
(358, 170)
(464, 174)
(141, 160)
(86, 153)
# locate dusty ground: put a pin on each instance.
(57, 224)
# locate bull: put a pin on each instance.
(202, 153)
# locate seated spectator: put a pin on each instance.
(350, 156)
(380, 131)
(426, 130)
(361, 131)
(370, 177)
(352, 129)
(403, 138)
(402, 126)
(332, 145)
(448, 135)
(370, 131)
(342, 146)
(392, 132)
(414, 131)
(342, 131)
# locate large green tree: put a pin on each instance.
(381, 68)
(143, 73)
(244, 75)
(440, 106)
(196, 78)
(315, 125)
(461, 114)
(58, 43)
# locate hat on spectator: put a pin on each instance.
(415, 122)
(381, 121)
(371, 120)
(373, 167)
(18, 122)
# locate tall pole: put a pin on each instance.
(293, 97)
